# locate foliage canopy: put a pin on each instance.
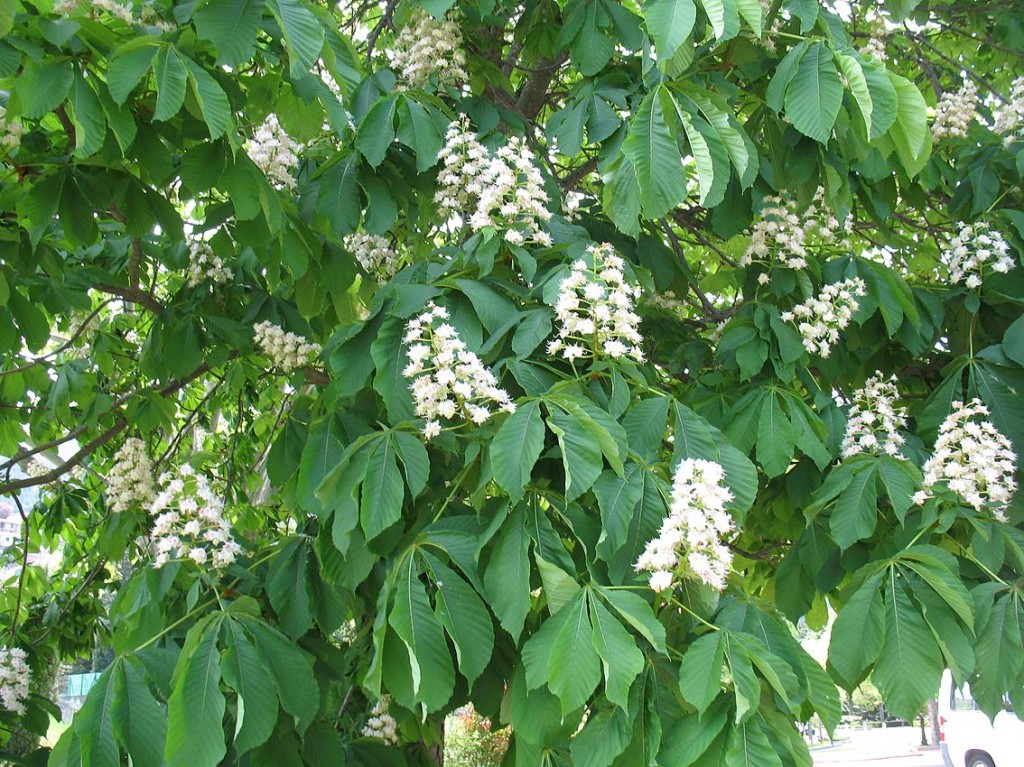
(176, 174)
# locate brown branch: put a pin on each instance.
(24, 563)
(384, 23)
(534, 93)
(120, 424)
(133, 294)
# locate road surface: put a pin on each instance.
(897, 747)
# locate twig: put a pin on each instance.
(24, 561)
(55, 352)
(133, 294)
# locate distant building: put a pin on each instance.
(10, 525)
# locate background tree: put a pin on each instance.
(380, 358)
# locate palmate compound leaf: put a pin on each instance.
(621, 659)
(464, 617)
(414, 621)
(516, 447)
(195, 710)
(858, 632)
(249, 678)
(574, 668)
(815, 94)
(652, 149)
(909, 667)
(139, 723)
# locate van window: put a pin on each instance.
(962, 700)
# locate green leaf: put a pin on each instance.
(377, 130)
(303, 34)
(288, 587)
(700, 670)
(621, 659)
(858, 84)
(883, 97)
(338, 199)
(638, 613)
(213, 102)
(574, 667)
(603, 737)
(231, 25)
(321, 454)
(420, 133)
(621, 196)
(127, 68)
(581, 455)
(507, 578)
(87, 117)
(815, 94)
(383, 491)
(195, 710)
(170, 75)
(433, 677)
(938, 569)
(776, 441)
(560, 588)
(855, 513)
(999, 652)
(692, 735)
(139, 722)
(669, 22)
(31, 321)
(94, 724)
(696, 438)
(652, 149)
(705, 146)
(752, 13)
(724, 18)
(1013, 341)
(616, 498)
(414, 458)
(909, 133)
(291, 669)
(41, 87)
(516, 447)
(746, 688)
(900, 479)
(464, 617)
(784, 73)
(909, 668)
(253, 684)
(748, 746)
(857, 633)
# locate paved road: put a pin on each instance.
(877, 748)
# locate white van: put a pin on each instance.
(966, 736)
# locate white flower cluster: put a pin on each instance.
(14, 679)
(204, 264)
(448, 380)
(1009, 118)
(375, 255)
(875, 420)
(955, 112)
(274, 152)
(595, 310)
(381, 724)
(973, 459)
(501, 189)
(787, 233)
(668, 303)
(821, 318)
(95, 7)
(975, 247)
(287, 351)
(10, 132)
(427, 46)
(130, 480)
(874, 48)
(696, 523)
(189, 521)
(571, 205)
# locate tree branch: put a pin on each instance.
(133, 294)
